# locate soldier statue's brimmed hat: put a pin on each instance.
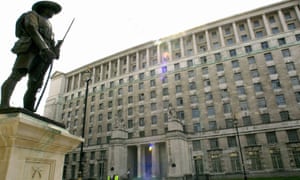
(38, 6)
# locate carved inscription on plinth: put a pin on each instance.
(39, 169)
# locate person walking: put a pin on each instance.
(35, 50)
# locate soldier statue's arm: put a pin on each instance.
(31, 25)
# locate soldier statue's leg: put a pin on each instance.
(35, 82)
(9, 85)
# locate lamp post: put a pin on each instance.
(88, 79)
(240, 147)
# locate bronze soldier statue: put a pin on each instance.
(35, 50)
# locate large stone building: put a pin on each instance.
(177, 107)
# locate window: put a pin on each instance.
(226, 108)
(271, 137)
(165, 92)
(194, 99)
(275, 84)
(280, 100)
(235, 162)
(251, 139)
(297, 94)
(195, 113)
(154, 119)
(203, 60)
(229, 123)
(218, 56)
(254, 73)
(141, 85)
(214, 143)
(255, 161)
(152, 72)
(244, 105)
(237, 76)
(297, 36)
(290, 66)
(176, 66)
(190, 63)
(265, 118)
(152, 83)
(291, 26)
(242, 27)
(235, 64)
(272, 70)
(216, 164)
(261, 102)
(268, 56)
(153, 94)
(178, 89)
(212, 125)
(191, 73)
(192, 85)
(295, 80)
(258, 87)
(197, 127)
(177, 77)
(211, 110)
(179, 101)
(275, 30)
(153, 106)
(272, 20)
(264, 45)
(220, 67)
(205, 70)
(141, 122)
(206, 82)
(208, 96)
(259, 34)
(296, 154)
(221, 79)
(247, 120)
(284, 115)
(244, 37)
(286, 53)
(231, 140)
(130, 123)
(251, 60)
(248, 49)
(232, 52)
(224, 93)
(196, 145)
(293, 135)
(276, 159)
(281, 41)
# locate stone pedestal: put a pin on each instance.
(31, 146)
(179, 165)
(117, 160)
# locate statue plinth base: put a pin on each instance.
(32, 146)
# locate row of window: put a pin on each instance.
(251, 140)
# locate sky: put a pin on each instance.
(104, 27)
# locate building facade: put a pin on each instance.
(177, 107)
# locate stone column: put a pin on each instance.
(267, 26)
(221, 36)
(236, 34)
(194, 44)
(139, 161)
(250, 29)
(297, 12)
(282, 21)
(182, 48)
(207, 40)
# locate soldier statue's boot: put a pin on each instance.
(29, 101)
(6, 92)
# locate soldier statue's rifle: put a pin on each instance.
(58, 45)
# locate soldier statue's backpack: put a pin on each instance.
(20, 25)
